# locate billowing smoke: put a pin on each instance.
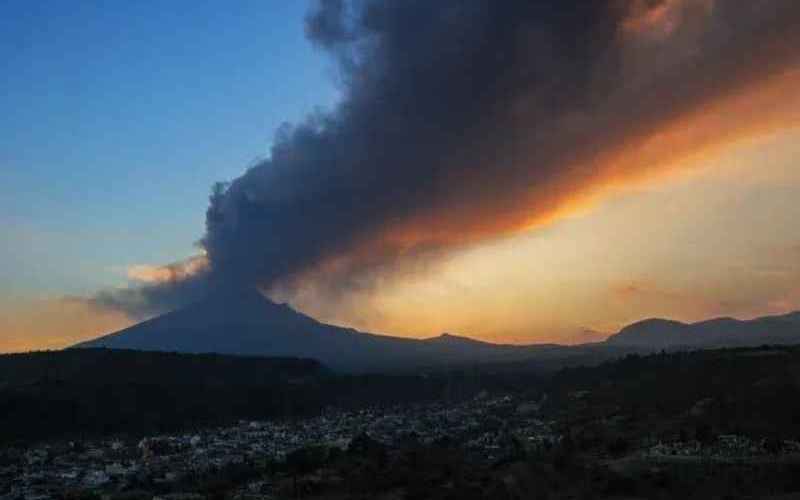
(463, 121)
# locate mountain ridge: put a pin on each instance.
(245, 322)
(714, 332)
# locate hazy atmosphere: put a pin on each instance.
(508, 171)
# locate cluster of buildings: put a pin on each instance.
(484, 425)
(725, 447)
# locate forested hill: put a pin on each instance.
(107, 366)
(79, 393)
(753, 391)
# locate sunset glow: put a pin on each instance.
(644, 167)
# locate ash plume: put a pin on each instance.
(464, 121)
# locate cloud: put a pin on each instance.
(157, 289)
(642, 296)
(661, 19)
(463, 122)
(177, 271)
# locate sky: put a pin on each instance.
(118, 120)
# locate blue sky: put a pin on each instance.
(118, 117)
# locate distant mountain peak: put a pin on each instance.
(654, 322)
(454, 339)
(792, 316)
(657, 333)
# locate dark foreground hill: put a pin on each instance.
(99, 391)
(88, 392)
(728, 416)
(751, 391)
(79, 393)
(107, 366)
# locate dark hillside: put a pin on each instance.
(753, 391)
(99, 391)
(85, 392)
(109, 366)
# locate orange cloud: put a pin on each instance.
(688, 141)
(678, 146)
(662, 19)
(177, 271)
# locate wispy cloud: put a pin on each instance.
(158, 274)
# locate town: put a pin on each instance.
(262, 457)
(485, 425)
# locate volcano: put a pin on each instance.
(244, 322)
